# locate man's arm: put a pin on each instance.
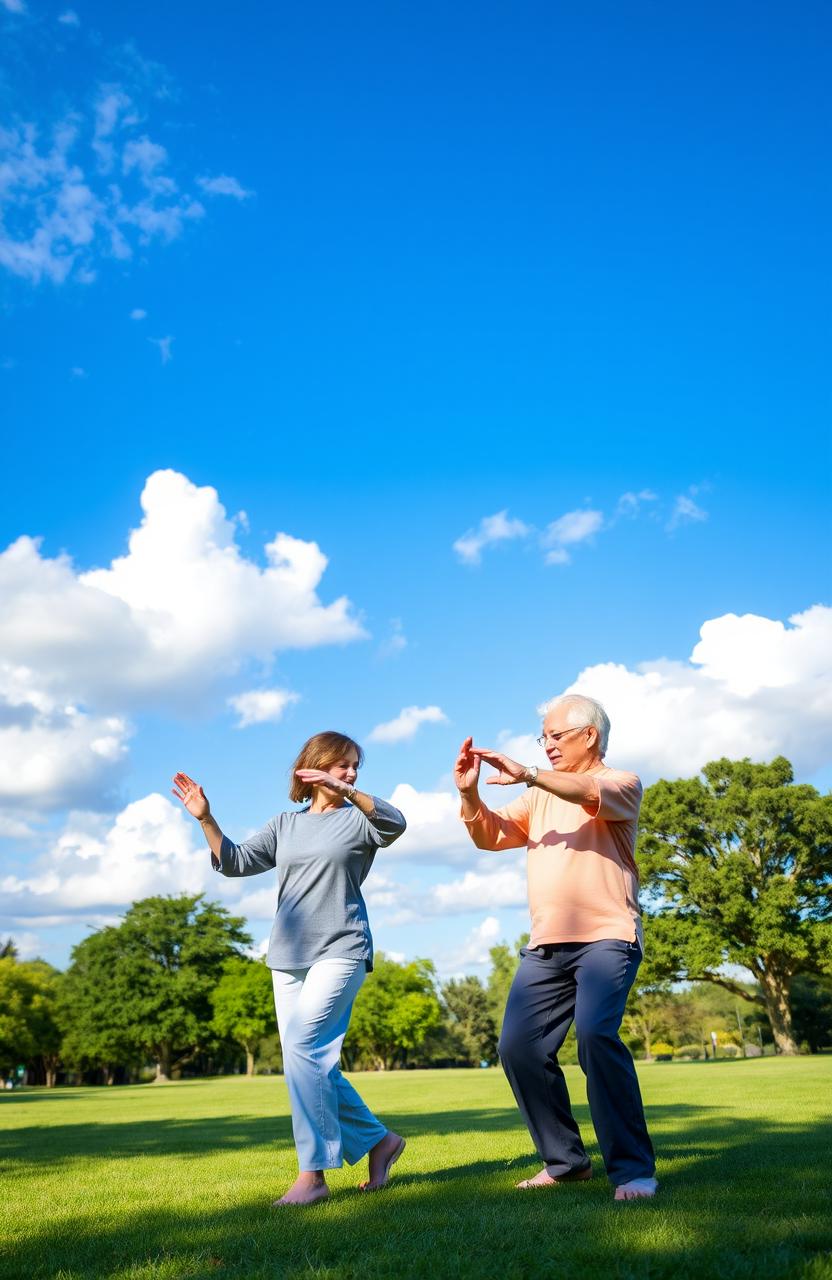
(578, 788)
(487, 829)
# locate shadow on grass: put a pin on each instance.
(740, 1198)
(198, 1136)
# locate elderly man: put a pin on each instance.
(578, 820)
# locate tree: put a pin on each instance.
(738, 865)
(150, 980)
(393, 1012)
(8, 949)
(29, 1031)
(646, 1017)
(472, 1019)
(505, 961)
(97, 1032)
(811, 1002)
(243, 1004)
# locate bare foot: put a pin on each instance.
(306, 1189)
(638, 1189)
(545, 1179)
(382, 1158)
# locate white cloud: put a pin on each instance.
(629, 504)
(224, 185)
(89, 186)
(752, 687)
(256, 904)
(77, 372)
(29, 945)
(146, 158)
(567, 531)
(686, 510)
(406, 724)
(13, 6)
(78, 646)
(138, 314)
(149, 624)
(12, 826)
(472, 951)
(396, 641)
(503, 887)
(259, 706)
(435, 832)
(164, 345)
(382, 893)
(96, 866)
(69, 18)
(491, 529)
(53, 754)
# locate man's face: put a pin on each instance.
(570, 748)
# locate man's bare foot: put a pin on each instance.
(545, 1179)
(382, 1158)
(638, 1189)
(306, 1189)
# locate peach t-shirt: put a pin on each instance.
(583, 882)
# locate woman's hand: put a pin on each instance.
(467, 768)
(510, 771)
(192, 796)
(317, 778)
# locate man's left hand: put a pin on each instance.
(510, 772)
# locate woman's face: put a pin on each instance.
(345, 769)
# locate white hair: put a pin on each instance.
(581, 710)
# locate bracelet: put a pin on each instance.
(530, 775)
(351, 794)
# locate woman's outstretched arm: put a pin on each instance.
(196, 802)
(248, 859)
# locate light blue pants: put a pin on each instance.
(330, 1122)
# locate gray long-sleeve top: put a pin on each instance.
(322, 859)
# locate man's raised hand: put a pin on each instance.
(191, 795)
(467, 768)
(510, 772)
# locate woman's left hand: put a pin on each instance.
(317, 778)
(510, 772)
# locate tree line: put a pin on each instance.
(736, 870)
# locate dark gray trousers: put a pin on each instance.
(587, 982)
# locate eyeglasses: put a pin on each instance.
(556, 737)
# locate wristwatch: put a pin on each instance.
(530, 775)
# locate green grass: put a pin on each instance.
(168, 1182)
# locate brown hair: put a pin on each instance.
(319, 752)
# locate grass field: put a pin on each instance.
(167, 1182)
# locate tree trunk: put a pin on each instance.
(776, 997)
(249, 1061)
(163, 1064)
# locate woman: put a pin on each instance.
(320, 948)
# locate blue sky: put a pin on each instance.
(513, 320)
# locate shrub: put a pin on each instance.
(661, 1049)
